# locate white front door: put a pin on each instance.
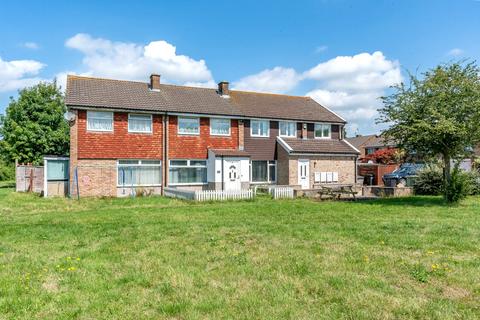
(303, 174)
(231, 169)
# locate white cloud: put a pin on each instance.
(31, 45)
(352, 85)
(130, 61)
(276, 80)
(455, 52)
(363, 71)
(17, 74)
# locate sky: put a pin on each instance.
(344, 54)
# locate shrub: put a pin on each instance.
(383, 156)
(474, 181)
(7, 171)
(429, 181)
(459, 187)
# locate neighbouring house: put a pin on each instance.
(369, 144)
(127, 135)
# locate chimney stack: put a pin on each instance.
(155, 82)
(223, 88)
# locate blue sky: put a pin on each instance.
(342, 53)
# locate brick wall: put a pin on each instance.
(96, 178)
(119, 144)
(287, 168)
(196, 146)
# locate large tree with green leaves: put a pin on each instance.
(437, 114)
(34, 125)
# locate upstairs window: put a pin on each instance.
(188, 125)
(219, 127)
(260, 128)
(323, 130)
(99, 121)
(141, 123)
(288, 129)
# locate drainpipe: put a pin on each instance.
(165, 152)
(222, 173)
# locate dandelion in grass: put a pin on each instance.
(78, 259)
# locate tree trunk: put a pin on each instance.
(447, 174)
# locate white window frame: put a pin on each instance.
(221, 134)
(270, 163)
(188, 165)
(188, 133)
(285, 135)
(256, 134)
(140, 114)
(140, 164)
(91, 115)
(322, 125)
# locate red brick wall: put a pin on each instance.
(378, 170)
(119, 144)
(196, 146)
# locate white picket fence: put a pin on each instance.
(221, 195)
(209, 195)
(281, 192)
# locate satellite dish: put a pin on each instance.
(70, 116)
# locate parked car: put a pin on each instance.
(399, 176)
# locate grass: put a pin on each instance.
(154, 258)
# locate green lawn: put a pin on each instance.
(299, 259)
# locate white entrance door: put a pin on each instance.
(303, 174)
(231, 168)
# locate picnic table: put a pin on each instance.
(336, 190)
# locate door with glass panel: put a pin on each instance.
(232, 175)
(303, 174)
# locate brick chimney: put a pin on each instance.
(155, 82)
(223, 88)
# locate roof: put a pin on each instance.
(230, 152)
(131, 95)
(369, 141)
(328, 146)
(268, 105)
(379, 142)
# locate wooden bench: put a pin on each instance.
(336, 191)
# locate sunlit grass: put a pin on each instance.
(161, 258)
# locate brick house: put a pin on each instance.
(368, 144)
(127, 135)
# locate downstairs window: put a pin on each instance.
(187, 172)
(263, 171)
(139, 173)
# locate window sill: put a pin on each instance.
(188, 184)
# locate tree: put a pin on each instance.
(436, 115)
(34, 125)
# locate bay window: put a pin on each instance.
(219, 127)
(188, 172)
(263, 171)
(141, 123)
(188, 125)
(259, 128)
(323, 130)
(288, 129)
(139, 173)
(99, 121)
